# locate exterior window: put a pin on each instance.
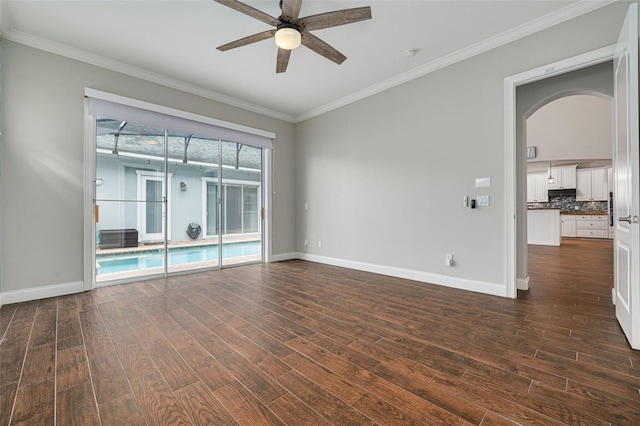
(211, 213)
(241, 207)
(251, 211)
(233, 210)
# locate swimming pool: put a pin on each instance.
(177, 256)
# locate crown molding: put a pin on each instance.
(562, 15)
(100, 61)
(569, 12)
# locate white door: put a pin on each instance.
(152, 208)
(627, 185)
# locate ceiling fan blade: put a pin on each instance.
(247, 40)
(291, 10)
(283, 60)
(334, 19)
(322, 48)
(250, 11)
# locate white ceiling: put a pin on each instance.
(174, 43)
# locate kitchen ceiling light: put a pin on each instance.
(551, 179)
(288, 38)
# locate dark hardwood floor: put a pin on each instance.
(302, 343)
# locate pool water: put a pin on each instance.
(176, 256)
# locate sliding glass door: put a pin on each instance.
(194, 242)
(170, 202)
(131, 192)
(241, 206)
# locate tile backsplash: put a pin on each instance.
(568, 202)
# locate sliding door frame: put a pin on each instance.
(89, 210)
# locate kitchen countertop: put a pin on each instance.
(585, 212)
(573, 212)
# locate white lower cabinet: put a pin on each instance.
(568, 225)
(592, 226)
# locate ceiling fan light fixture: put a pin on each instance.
(288, 38)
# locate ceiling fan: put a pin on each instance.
(291, 31)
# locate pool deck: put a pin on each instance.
(213, 241)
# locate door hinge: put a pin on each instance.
(262, 213)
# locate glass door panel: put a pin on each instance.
(211, 216)
(130, 195)
(193, 163)
(241, 189)
(232, 208)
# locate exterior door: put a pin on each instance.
(627, 185)
(151, 212)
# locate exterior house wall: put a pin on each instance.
(120, 182)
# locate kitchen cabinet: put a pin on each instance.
(564, 177)
(537, 188)
(543, 227)
(568, 225)
(592, 226)
(591, 185)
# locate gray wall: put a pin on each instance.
(42, 161)
(384, 177)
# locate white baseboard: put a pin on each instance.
(284, 256)
(522, 283)
(35, 293)
(495, 289)
(427, 277)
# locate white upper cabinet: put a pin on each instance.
(591, 185)
(599, 190)
(564, 176)
(537, 188)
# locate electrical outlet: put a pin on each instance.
(448, 259)
(319, 243)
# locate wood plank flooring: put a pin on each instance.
(297, 343)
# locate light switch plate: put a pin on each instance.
(483, 200)
(484, 182)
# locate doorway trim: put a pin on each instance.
(512, 283)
